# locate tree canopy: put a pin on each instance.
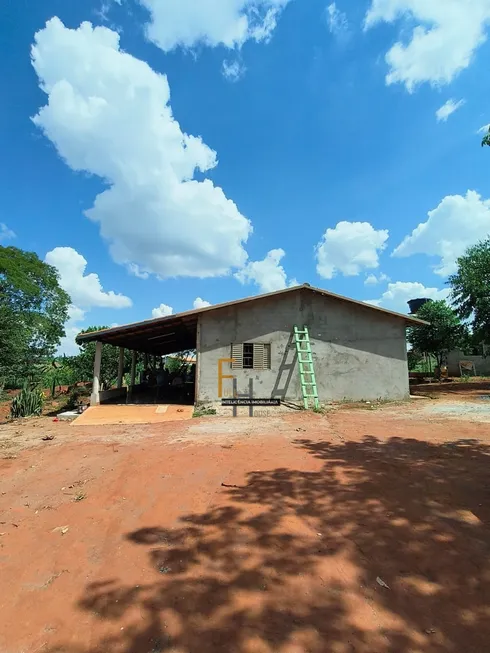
(486, 139)
(33, 311)
(444, 332)
(471, 288)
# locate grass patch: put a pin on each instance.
(320, 410)
(203, 412)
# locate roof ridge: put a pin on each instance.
(87, 337)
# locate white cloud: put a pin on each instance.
(68, 346)
(400, 292)
(337, 20)
(200, 303)
(373, 280)
(162, 311)
(349, 248)
(454, 225)
(268, 274)
(443, 113)
(108, 113)
(136, 271)
(85, 290)
(233, 70)
(484, 129)
(187, 23)
(442, 43)
(5, 232)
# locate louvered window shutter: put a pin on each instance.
(258, 356)
(267, 357)
(237, 355)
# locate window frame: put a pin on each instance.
(250, 359)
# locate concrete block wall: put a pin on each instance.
(359, 354)
(482, 364)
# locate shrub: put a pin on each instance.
(76, 396)
(28, 402)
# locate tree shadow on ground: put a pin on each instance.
(384, 550)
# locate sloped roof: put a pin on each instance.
(146, 336)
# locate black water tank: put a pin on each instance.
(416, 304)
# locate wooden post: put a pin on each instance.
(95, 397)
(134, 360)
(120, 370)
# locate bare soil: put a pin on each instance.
(463, 389)
(361, 531)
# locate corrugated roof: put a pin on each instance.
(140, 333)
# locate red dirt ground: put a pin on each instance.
(358, 531)
(463, 390)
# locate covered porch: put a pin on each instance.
(151, 344)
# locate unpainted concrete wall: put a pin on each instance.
(359, 354)
(482, 364)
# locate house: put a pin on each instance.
(359, 350)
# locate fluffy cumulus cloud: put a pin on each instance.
(397, 295)
(73, 326)
(200, 303)
(268, 274)
(447, 109)
(162, 311)
(454, 225)
(349, 248)
(230, 23)
(108, 113)
(5, 232)
(85, 290)
(442, 42)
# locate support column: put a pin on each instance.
(134, 360)
(120, 370)
(95, 397)
(198, 361)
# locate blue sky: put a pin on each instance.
(162, 152)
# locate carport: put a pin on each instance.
(151, 338)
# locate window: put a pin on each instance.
(251, 356)
(248, 356)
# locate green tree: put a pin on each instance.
(486, 139)
(178, 362)
(33, 310)
(471, 288)
(444, 332)
(83, 364)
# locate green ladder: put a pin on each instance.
(306, 371)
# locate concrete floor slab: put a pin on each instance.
(137, 414)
